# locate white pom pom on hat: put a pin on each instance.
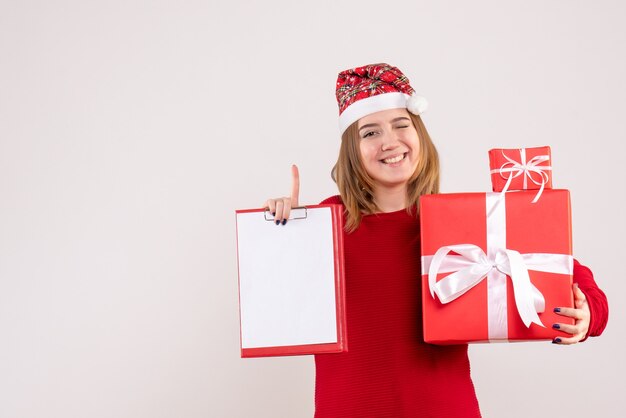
(416, 104)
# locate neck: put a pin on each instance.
(390, 200)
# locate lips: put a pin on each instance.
(395, 159)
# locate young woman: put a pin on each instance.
(386, 162)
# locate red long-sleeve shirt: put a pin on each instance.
(389, 371)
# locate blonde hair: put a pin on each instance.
(356, 186)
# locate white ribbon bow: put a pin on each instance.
(525, 168)
(472, 265)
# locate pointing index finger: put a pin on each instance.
(295, 185)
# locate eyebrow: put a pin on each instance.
(369, 125)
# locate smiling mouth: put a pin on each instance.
(396, 159)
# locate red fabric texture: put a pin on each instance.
(389, 371)
(596, 299)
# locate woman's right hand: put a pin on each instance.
(281, 207)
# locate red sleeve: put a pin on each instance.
(596, 299)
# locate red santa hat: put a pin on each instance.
(369, 89)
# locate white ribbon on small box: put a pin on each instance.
(472, 265)
(512, 169)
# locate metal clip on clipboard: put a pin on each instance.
(296, 213)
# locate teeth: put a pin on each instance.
(394, 159)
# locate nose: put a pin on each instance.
(389, 141)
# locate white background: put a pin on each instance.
(131, 131)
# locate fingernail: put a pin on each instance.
(284, 221)
(556, 326)
(556, 341)
(557, 309)
(277, 222)
(273, 213)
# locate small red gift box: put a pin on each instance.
(521, 169)
(494, 266)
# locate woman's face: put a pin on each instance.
(389, 147)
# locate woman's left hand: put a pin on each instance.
(581, 315)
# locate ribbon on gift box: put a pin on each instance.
(471, 265)
(512, 169)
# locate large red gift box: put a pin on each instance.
(469, 242)
(520, 169)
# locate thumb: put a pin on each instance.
(579, 296)
(295, 185)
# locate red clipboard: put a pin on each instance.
(291, 282)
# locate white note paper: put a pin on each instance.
(286, 280)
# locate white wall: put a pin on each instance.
(130, 132)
